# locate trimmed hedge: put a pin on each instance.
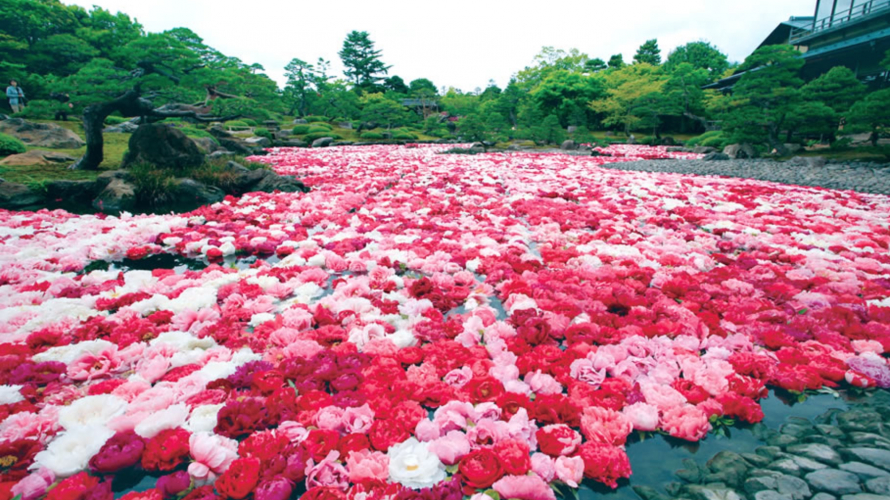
(314, 119)
(312, 137)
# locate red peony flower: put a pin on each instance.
(480, 469)
(240, 479)
(604, 463)
(167, 450)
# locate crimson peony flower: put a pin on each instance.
(240, 479)
(167, 450)
(480, 469)
(122, 451)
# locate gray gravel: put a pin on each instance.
(862, 177)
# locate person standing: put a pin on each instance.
(16, 96)
(66, 105)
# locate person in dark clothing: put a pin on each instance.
(65, 99)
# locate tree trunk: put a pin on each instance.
(93, 122)
(874, 137)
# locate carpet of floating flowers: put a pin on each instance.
(425, 326)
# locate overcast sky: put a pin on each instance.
(459, 43)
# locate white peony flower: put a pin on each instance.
(10, 394)
(412, 464)
(168, 418)
(203, 418)
(91, 411)
(70, 452)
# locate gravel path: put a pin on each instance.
(861, 177)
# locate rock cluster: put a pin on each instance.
(839, 455)
(40, 135)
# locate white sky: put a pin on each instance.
(459, 43)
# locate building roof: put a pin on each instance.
(782, 33)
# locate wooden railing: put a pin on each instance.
(858, 12)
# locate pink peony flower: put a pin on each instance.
(329, 472)
(570, 470)
(523, 488)
(365, 465)
(602, 425)
(643, 416)
(450, 447)
(686, 422)
(212, 455)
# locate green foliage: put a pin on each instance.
(313, 119)
(549, 131)
(40, 110)
(633, 97)
(376, 108)
(319, 130)
(713, 139)
(154, 185)
(422, 87)
(566, 95)
(9, 145)
(300, 129)
(813, 118)
(700, 55)
(115, 120)
(250, 123)
(763, 98)
(616, 61)
(404, 135)
(838, 89)
(191, 131)
(318, 135)
(237, 125)
(373, 136)
(362, 61)
(263, 132)
(872, 114)
(648, 53)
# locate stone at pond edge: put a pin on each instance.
(740, 151)
(716, 157)
(771, 495)
(117, 196)
(823, 496)
(649, 493)
(834, 481)
(195, 193)
(873, 456)
(878, 485)
(322, 142)
(14, 196)
(568, 145)
(262, 142)
(699, 492)
(162, 146)
(865, 496)
(70, 191)
(864, 471)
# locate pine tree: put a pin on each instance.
(648, 53)
(362, 61)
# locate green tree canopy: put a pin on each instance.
(837, 89)
(700, 55)
(423, 87)
(616, 61)
(362, 61)
(872, 114)
(648, 53)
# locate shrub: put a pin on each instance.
(196, 132)
(40, 110)
(115, 120)
(154, 185)
(301, 129)
(237, 125)
(713, 139)
(263, 132)
(249, 122)
(318, 130)
(400, 135)
(312, 137)
(314, 119)
(374, 136)
(9, 145)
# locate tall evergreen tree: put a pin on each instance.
(363, 65)
(648, 53)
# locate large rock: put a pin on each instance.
(836, 482)
(127, 127)
(260, 142)
(37, 157)
(206, 144)
(41, 135)
(740, 151)
(874, 456)
(192, 193)
(864, 471)
(568, 145)
(291, 143)
(703, 150)
(14, 196)
(716, 157)
(162, 146)
(879, 485)
(118, 196)
(63, 191)
(246, 180)
(815, 451)
(322, 142)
